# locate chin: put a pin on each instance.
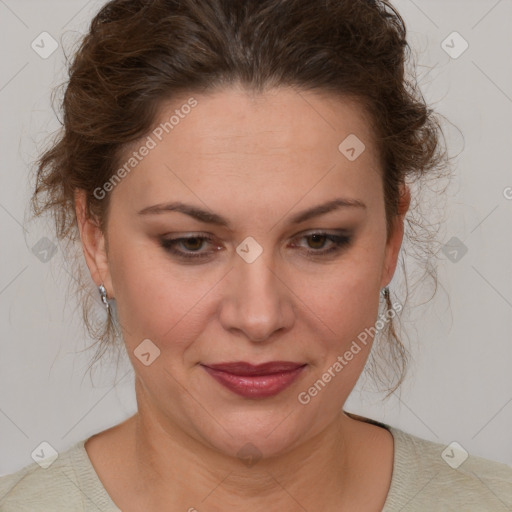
(258, 434)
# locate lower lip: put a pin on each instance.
(257, 386)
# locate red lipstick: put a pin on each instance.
(255, 381)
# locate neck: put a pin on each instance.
(317, 475)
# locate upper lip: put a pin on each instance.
(243, 368)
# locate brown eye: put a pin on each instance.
(192, 243)
(190, 246)
(316, 243)
(318, 240)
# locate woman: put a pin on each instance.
(282, 138)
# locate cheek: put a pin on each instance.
(346, 296)
(141, 289)
(350, 316)
(344, 308)
(345, 311)
(156, 299)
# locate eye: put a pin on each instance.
(192, 244)
(318, 240)
(189, 248)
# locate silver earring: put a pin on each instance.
(103, 295)
(385, 292)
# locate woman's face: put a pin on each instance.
(259, 287)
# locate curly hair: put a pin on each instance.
(139, 53)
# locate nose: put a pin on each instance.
(256, 301)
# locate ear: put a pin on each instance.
(395, 238)
(93, 244)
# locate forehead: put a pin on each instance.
(236, 120)
(233, 138)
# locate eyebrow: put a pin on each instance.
(213, 218)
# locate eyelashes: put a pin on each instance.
(169, 244)
(337, 241)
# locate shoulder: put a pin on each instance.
(69, 483)
(432, 476)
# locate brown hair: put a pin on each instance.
(139, 53)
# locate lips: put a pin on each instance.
(255, 381)
(243, 368)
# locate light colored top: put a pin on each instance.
(422, 480)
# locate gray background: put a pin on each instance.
(459, 386)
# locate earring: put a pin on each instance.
(103, 295)
(385, 292)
